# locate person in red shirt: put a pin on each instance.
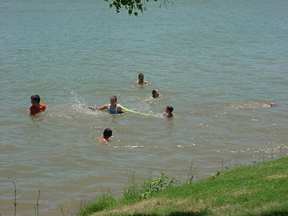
(36, 106)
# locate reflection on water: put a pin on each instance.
(253, 105)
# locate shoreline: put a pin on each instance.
(247, 187)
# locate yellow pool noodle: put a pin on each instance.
(125, 109)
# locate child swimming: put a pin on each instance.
(141, 80)
(106, 137)
(36, 106)
(168, 112)
(155, 93)
(113, 107)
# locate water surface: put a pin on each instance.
(218, 62)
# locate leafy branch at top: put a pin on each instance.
(132, 6)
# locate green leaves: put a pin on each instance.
(132, 6)
(156, 185)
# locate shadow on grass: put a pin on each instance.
(178, 213)
(275, 213)
(202, 213)
(205, 213)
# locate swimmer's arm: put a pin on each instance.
(43, 107)
(120, 109)
(103, 107)
(144, 83)
(147, 83)
(94, 108)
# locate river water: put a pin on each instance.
(218, 62)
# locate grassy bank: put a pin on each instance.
(260, 189)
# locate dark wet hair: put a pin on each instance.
(141, 75)
(35, 98)
(114, 97)
(107, 133)
(155, 93)
(170, 108)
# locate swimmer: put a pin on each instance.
(113, 107)
(106, 137)
(141, 80)
(36, 106)
(155, 93)
(168, 112)
(269, 105)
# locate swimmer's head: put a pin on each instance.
(155, 93)
(113, 100)
(169, 109)
(140, 78)
(35, 99)
(107, 133)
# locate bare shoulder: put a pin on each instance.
(102, 140)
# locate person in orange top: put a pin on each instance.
(36, 106)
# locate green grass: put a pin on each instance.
(256, 190)
(103, 202)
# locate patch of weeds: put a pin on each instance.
(136, 193)
(132, 194)
(101, 203)
(156, 185)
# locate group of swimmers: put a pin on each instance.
(112, 108)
